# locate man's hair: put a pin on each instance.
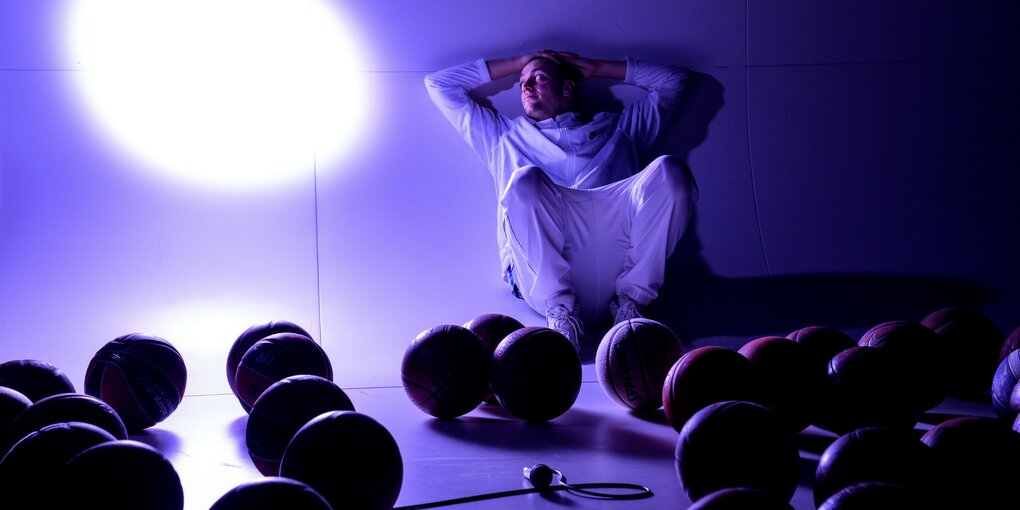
(567, 70)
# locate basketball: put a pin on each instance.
(866, 337)
(536, 374)
(1010, 344)
(920, 353)
(704, 376)
(247, 339)
(822, 343)
(142, 377)
(275, 357)
(492, 328)
(445, 371)
(34, 379)
(787, 382)
(740, 498)
(63, 408)
(870, 496)
(33, 463)
(138, 476)
(737, 444)
(1004, 383)
(865, 388)
(632, 361)
(873, 454)
(974, 342)
(283, 409)
(271, 493)
(1014, 402)
(12, 403)
(965, 449)
(348, 458)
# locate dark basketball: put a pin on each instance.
(1010, 344)
(63, 408)
(445, 371)
(347, 457)
(1014, 402)
(737, 444)
(247, 339)
(866, 337)
(632, 361)
(33, 463)
(740, 498)
(272, 493)
(872, 496)
(865, 388)
(12, 403)
(34, 379)
(704, 376)
(964, 449)
(275, 357)
(283, 409)
(974, 342)
(142, 377)
(874, 454)
(536, 374)
(1004, 383)
(492, 328)
(135, 474)
(921, 354)
(822, 343)
(787, 382)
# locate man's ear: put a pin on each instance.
(568, 88)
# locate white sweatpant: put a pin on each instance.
(589, 245)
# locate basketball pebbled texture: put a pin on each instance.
(142, 377)
(247, 339)
(633, 360)
(275, 357)
(35, 379)
(445, 371)
(536, 374)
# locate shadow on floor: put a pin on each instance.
(576, 429)
(698, 304)
(703, 308)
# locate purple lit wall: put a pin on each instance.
(856, 162)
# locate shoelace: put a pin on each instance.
(563, 320)
(628, 310)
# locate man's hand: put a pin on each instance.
(499, 68)
(589, 67)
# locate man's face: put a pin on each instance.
(544, 93)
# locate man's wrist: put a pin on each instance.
(498, 68)
(616, 69)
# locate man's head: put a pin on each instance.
(547, 88)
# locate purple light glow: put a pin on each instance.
(222, 93)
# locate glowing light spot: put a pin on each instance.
(224, 93)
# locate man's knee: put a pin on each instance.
(526, 186)
(673, 174)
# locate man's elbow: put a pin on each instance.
(430, 82)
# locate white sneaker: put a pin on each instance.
(624, 308)
(566, 323)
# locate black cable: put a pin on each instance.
(580, 489)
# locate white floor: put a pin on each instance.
(484, 451)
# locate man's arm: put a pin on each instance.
(588, 67)
(502, 67)
(644, 119)
(593, 68)
(479, 126)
